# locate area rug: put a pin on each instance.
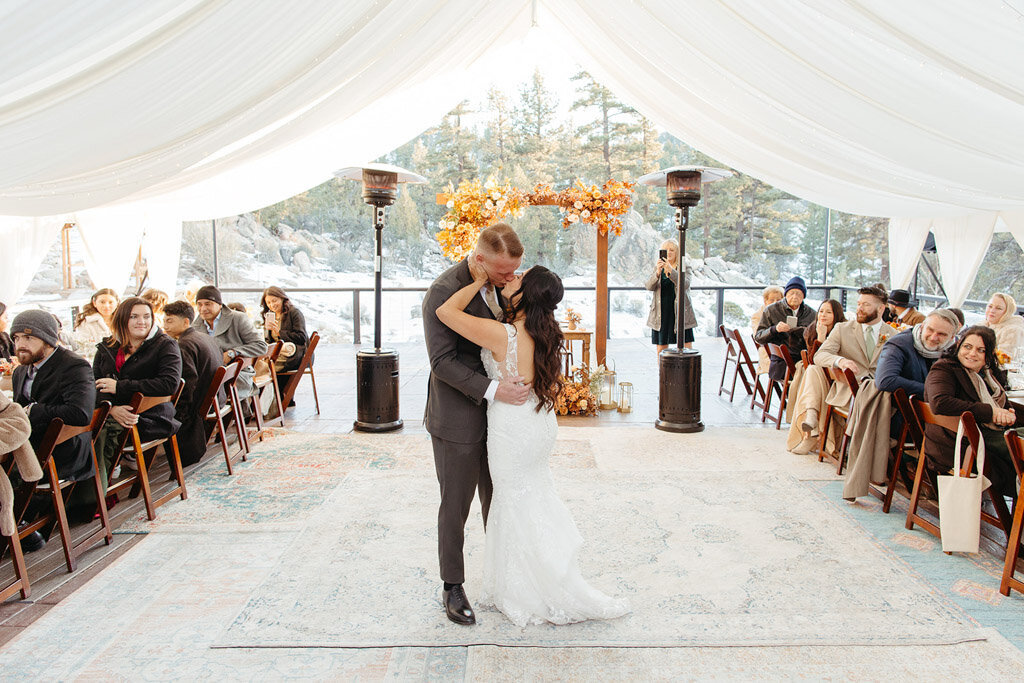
(991, 660)
(705, 558)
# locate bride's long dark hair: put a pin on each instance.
(540, 293)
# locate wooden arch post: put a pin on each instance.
(601, 285)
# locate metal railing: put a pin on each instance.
(841, 292)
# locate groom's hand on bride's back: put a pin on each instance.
(512, 391)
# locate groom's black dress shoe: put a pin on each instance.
(456, 604)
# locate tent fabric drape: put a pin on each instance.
(872, 107)
(961, 244)
(204, 108)
(25, 242)
(906, 240)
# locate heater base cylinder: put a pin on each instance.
(377, 391)
(679, 391)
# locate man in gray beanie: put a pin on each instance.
(50, 382)
(233, 332)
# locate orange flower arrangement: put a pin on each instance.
(6, 366)
(601, 207)
(1002, 357)
(473, 207)
(576, 397)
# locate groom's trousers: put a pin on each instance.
(461, 472)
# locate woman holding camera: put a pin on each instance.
(664, 282)
(282, 321)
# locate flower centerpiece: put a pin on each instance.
(471, 208)
(573, 318)
(576, 397)
(1003, 358)
(7, 366)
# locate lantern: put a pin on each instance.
(625, 397)
(607, 399)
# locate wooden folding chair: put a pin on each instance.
(21, 583)
(781, 386)
(223, 382)
(1002, 519)
(140, 480)
(925, 416)
(291, 378)
(807, 355)
(909, 441)
(842, 376)
(56, 434)
(261, 383)
(748, 365)
(732, 355)
(1016, 446)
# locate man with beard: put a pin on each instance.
(50, 382)
(853, 345)
(903, 364)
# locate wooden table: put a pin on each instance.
(583, 336)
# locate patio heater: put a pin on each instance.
(679, 368)
(377, 369)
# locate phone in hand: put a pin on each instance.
(791, 321)
(663, 254)
(270, 317)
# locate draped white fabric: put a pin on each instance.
(111, 239)
(205, 108)
(23, 245)
(960, 244)
(906, 239)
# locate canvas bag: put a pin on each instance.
(960, 502)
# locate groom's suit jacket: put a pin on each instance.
(456, 410)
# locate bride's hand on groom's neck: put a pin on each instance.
(476, 270)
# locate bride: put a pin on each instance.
(531, 546)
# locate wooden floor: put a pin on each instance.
(634, 360)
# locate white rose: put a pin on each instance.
(450, 204)
(585, 214)
(578, 205)
(573, 218)
(489, 205)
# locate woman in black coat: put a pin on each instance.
(283, 322)
(137, 357)
(968, 379)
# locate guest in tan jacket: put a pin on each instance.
(855, 345)
(903, 312)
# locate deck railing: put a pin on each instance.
(840, 292)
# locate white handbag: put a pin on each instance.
(960, 502)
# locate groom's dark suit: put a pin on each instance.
(456, 417)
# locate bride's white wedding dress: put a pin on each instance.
(531, 545)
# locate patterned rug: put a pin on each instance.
(706, 558)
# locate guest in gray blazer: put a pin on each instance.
(233, 332)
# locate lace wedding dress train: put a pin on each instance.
(531, 548)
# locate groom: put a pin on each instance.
(456, 414)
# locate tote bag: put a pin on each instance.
(960, 503)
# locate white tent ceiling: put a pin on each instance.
(174, 110)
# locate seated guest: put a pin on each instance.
(157, 299)
(856, 345)
(829, 313)
(968, 378)
(50, 382)
(15, 430)
(138, 357)
(775, 327)
(93, 323)
(6, 343)
(902, 312)
(284, 322)
(238, 306)
(903, 364)
(200, 358)
(959, 316)
(233, 332)
(769, 295)
(1001, 316)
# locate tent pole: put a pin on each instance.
(828, 237)
(216, 269)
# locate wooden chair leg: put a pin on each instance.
(60, 517)
(143, 476)
(823, 437)
(915, 497)
(316, 400)
(21, 584)
(1013, 552)
(893, 474)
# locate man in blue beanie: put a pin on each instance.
(784, 322)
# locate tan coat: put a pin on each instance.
(846, 340)
(14, 432)
(911, 317)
